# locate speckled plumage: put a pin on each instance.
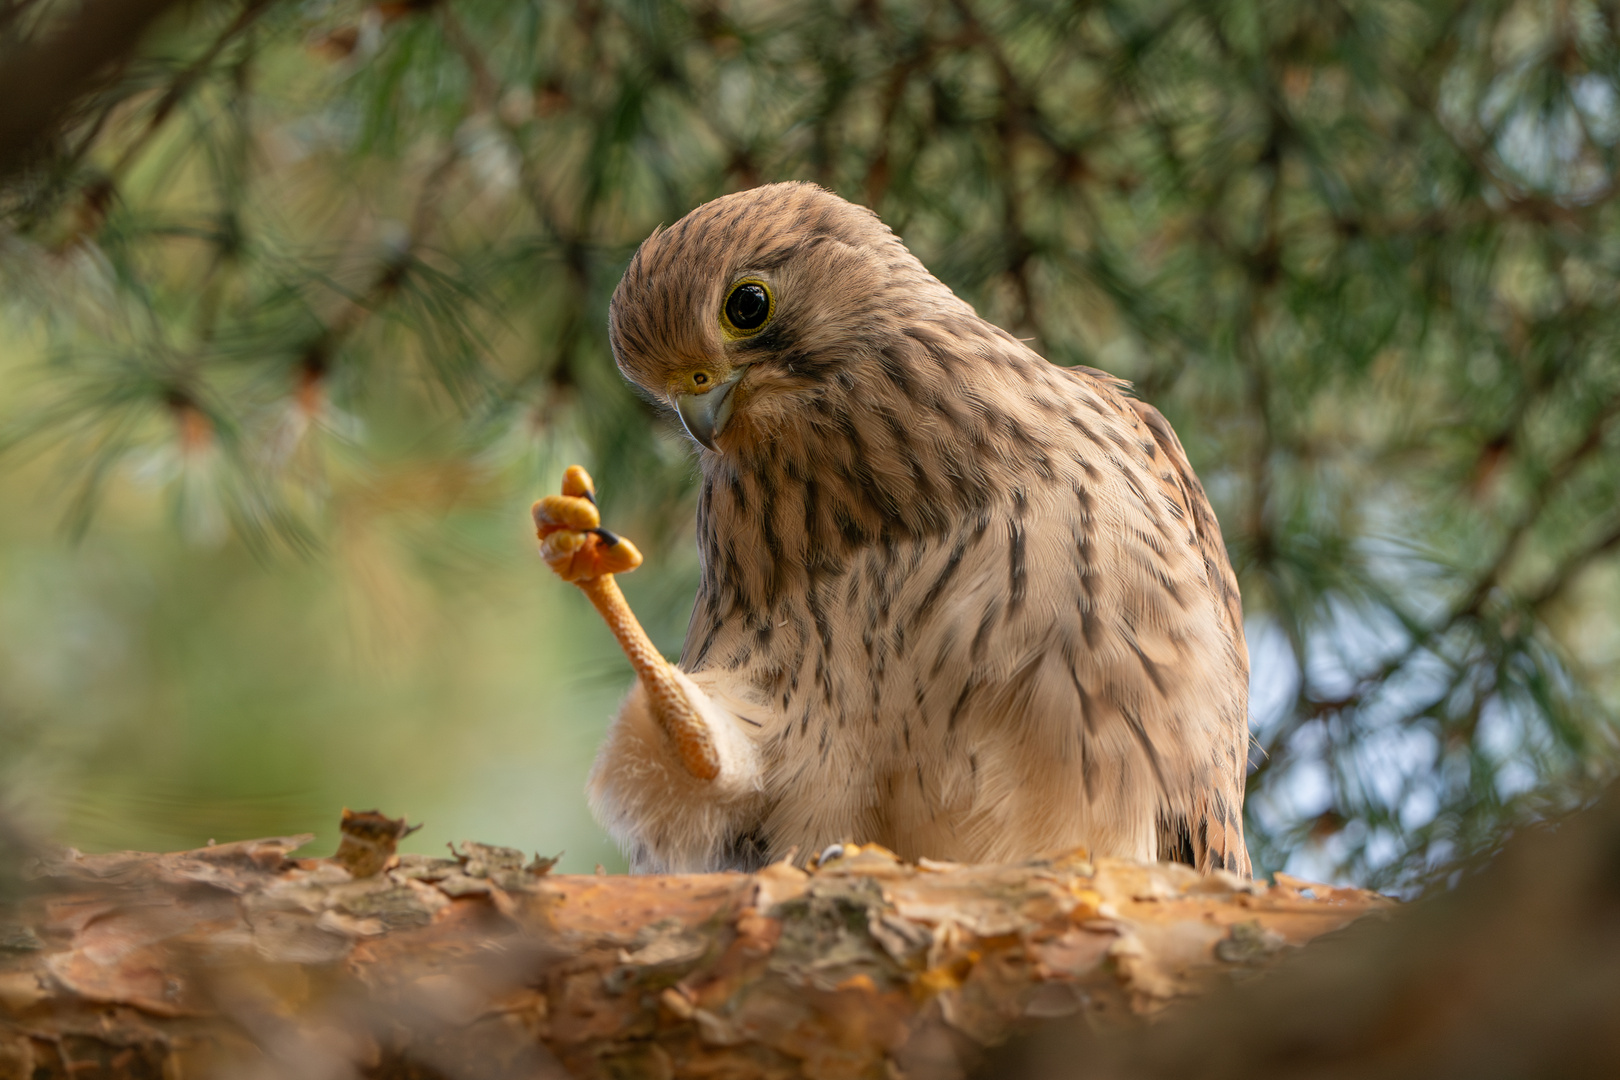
(961, 602)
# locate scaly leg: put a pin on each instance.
(580, 551)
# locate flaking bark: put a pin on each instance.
(239, 959)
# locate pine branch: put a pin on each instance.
(239, 955)
(41, 79)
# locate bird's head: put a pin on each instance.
(743, 312)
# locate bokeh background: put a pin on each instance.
(302, 303)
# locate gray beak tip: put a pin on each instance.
(705, 415)
(696, 419)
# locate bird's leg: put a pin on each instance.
(580, 551)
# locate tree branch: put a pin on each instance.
(40, 80)
(480, 966)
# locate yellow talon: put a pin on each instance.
(578, 557)
(565, 512)
(577, 483)
(619, 556)
(572, 540)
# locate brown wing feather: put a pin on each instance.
(1212, 837)
(1181, 483)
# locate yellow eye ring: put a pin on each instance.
(748, 307)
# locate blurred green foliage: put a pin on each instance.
(328, 282)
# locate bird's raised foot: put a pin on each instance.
(572, 540)
(580, 551)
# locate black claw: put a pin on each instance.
(590, 496)
(607, 537)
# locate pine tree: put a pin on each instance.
(1364, 255)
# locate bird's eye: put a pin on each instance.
(748, 307)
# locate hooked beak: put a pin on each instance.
(705, 415)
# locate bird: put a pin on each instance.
(955, 600)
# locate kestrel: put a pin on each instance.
(955, 600)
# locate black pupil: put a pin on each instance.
(747, 307)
